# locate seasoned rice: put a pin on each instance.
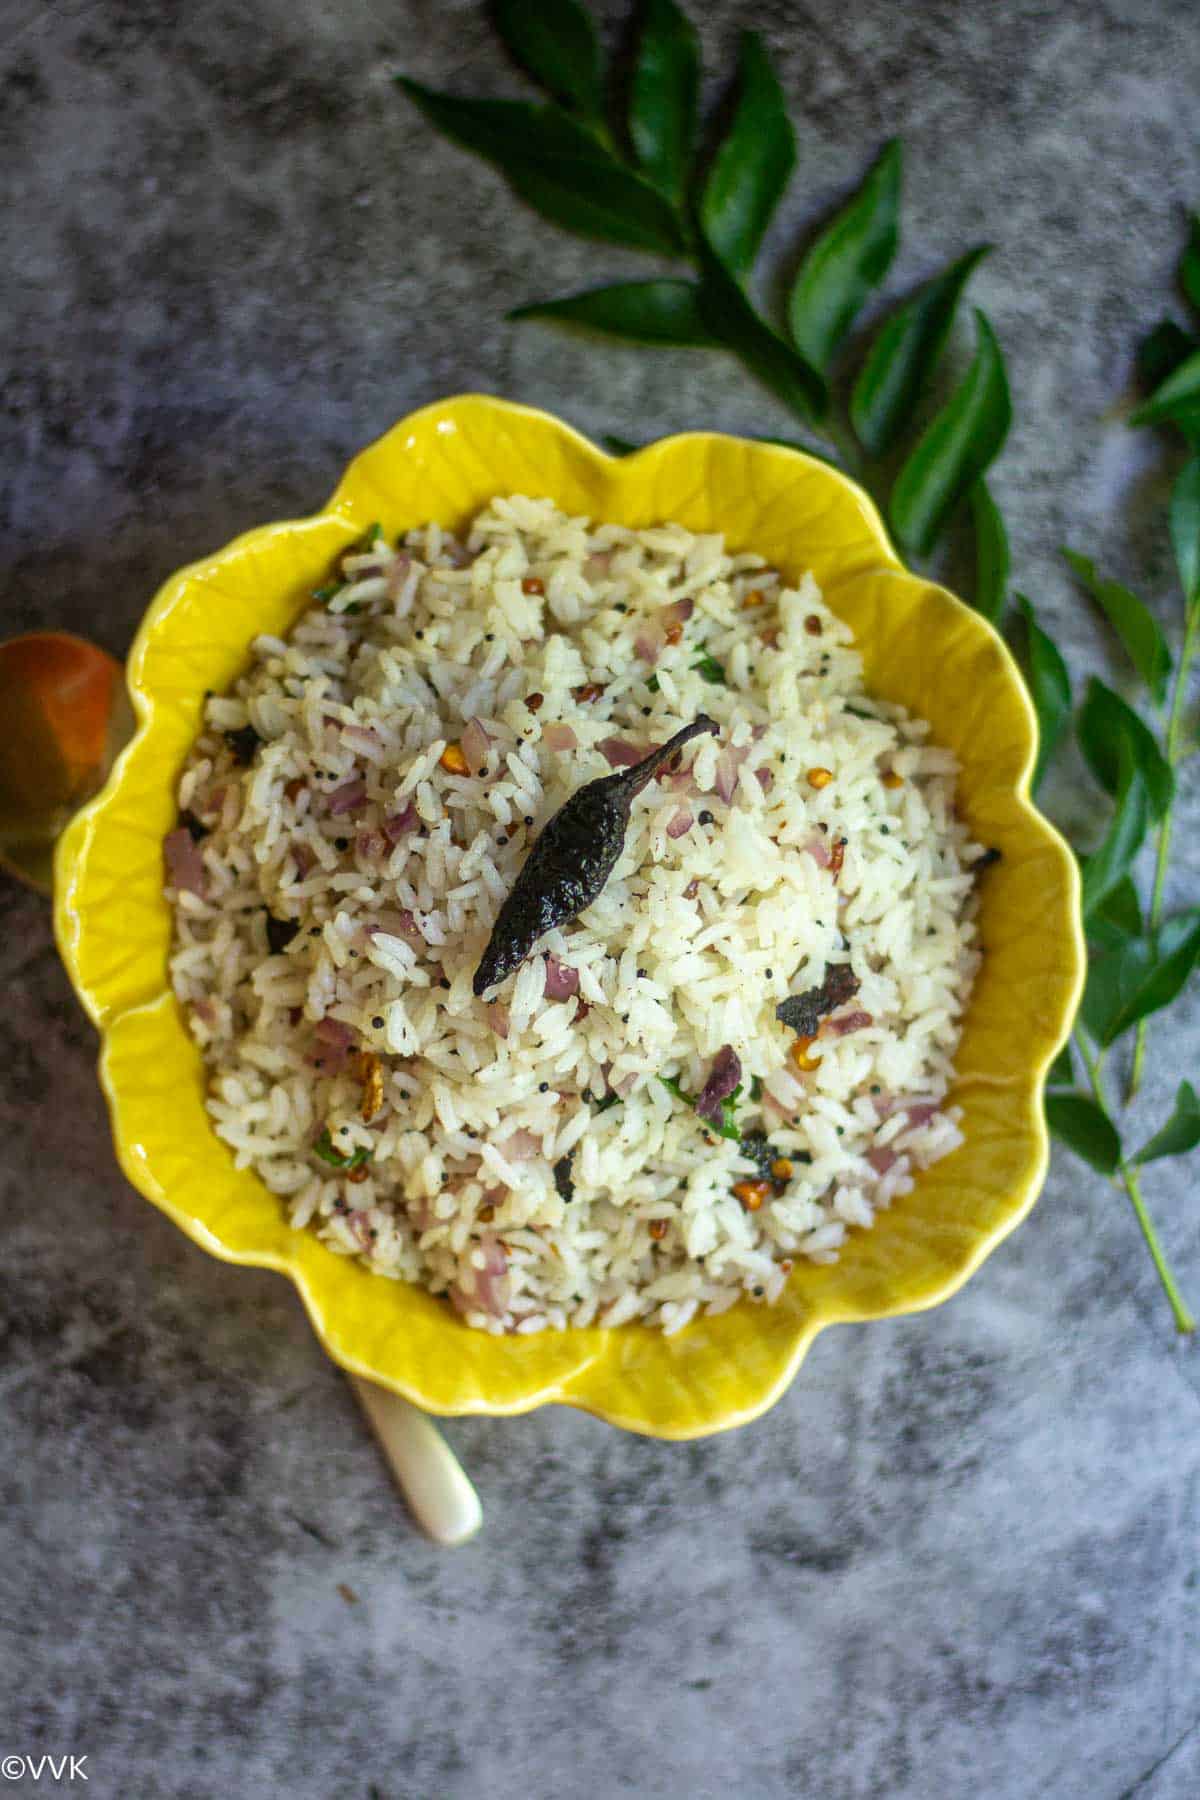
(368, 792)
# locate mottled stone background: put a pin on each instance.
(960, 1558)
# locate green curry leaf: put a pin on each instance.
(753, 165)
(955, 449)
(848, 260)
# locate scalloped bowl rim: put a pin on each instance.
(77, 843)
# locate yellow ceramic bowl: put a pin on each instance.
(920, 646)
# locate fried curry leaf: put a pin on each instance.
(280, 933)
(802, 1013)
(571, 859)
(244, 743)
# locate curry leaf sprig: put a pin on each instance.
(623, 161)
(1139, 961)
(635, 174)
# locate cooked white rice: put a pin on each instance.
(690, 947)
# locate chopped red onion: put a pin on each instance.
(647, 645)
(475, 745)
(619, 753)
(400, 824)
(818, 849)
(360, 1227)
(559, 737)
(883, 1158)
(920, 1111)
(335, 1042)
(598, 564)
(362, 737)
(497, 1018)
(421, 1215)
(184, 863)
(303, 858)
(723, 1077)
(397, 924)
(765, 779)
(489, 1287)
(681, 610)
(346, 798)
(520, 1146)
(848, 1022)
(397, 576)
(562, 981)
(484, 1289)
(370, 845)
(726, 776)
(681, 822)
(335, 1032)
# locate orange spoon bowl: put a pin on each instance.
(66, 717)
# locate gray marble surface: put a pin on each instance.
(960, 1557)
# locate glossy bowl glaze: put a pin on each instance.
(920, 647)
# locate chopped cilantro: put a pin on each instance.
(709, 669)
(727, 1128)
(325, 1150)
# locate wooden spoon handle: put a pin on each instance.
(427, 1472)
